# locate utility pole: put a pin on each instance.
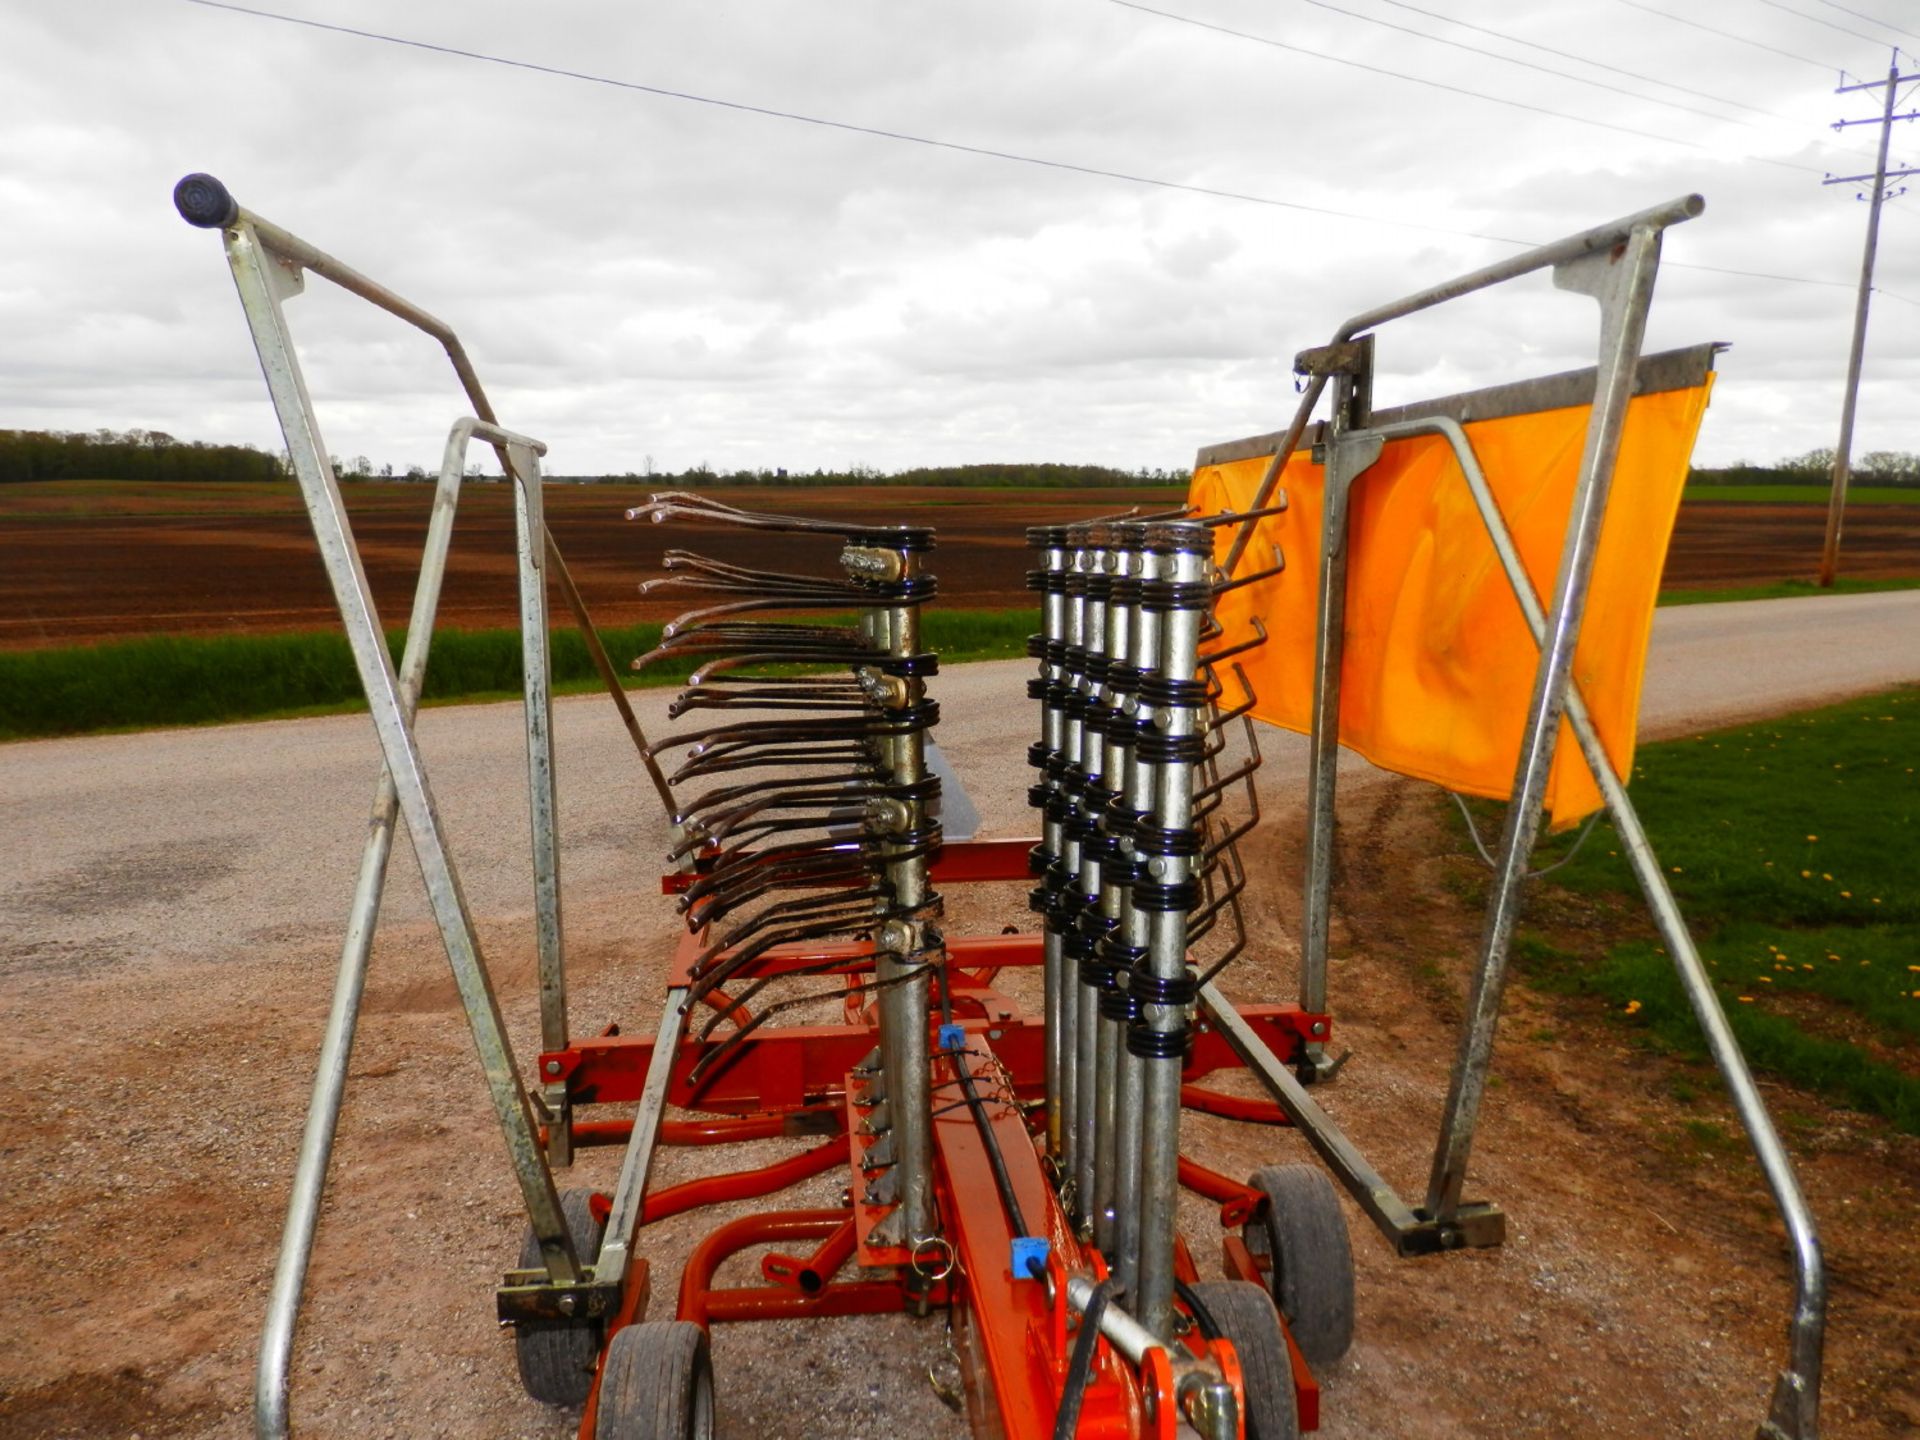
(1843, 452)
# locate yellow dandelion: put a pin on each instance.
(1806, 965)
(1633, 1007)
(1876, 899)
(1764, 979)
(1846, 894)
(1678, 871)
(1746, 999)
(1812, 838)
(1806, 874)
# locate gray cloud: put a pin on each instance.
(638, 276)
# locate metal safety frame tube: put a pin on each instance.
(1347, 459)
(336, 1045)
(1795, 1411)
(260, 280)
(1623, 284)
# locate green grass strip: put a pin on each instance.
(1784, 590)
(1790, 846)
(1800, 494)
(167, 680)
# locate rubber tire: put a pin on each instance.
(657, 1385)
(557, 1358)
(1305, 1233)
(1245, 1314)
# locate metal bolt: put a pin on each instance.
(553, 1067)
(568, 1304)
(1319, 1027)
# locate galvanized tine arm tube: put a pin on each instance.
(1125, 945)
(336, 1046)
(1796, 1401)
(1047, 543)
(1163, 983)
(1101, 920)
(907, 935)
(1083, 869)
(1063, 873)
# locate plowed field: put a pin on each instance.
(86, 561)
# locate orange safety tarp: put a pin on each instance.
(1439, 664)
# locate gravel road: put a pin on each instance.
(213, 841)
(142, 869)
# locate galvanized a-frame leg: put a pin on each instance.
(522, 459)
(336, 1047)
(1348, 458)
(1623, 284)
(1795, 1410)
(262, 280)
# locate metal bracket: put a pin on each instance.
(525, 1296)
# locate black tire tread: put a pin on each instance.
(1246, 1317)
(652, 1377)
(557, 1360)
(1312, 1279)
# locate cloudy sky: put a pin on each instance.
(642, 277)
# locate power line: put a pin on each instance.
(559, 72)
(1822, 20)
(1729, 35)
(1613, 69)
(1583, 59)
(878, 132)
(1862, 15)
(1577, 79)
(1895, 295)
(1524, 64)
(1442, 85)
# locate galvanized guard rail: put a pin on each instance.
(268, 265)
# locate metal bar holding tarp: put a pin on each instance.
(1616, 265)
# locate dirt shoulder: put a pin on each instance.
(1643, 1288)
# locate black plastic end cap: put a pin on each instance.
(204, 201)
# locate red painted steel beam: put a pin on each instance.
(1238, 1203)
(742, 1184)
(704, 1305)
(1232, 1107)
(792, 1067)
(1011, 1320)
(707, 1130)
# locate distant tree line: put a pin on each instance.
(1876, 467)
(1007, 476)
(151, 455)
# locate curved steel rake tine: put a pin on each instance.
(786, 910)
